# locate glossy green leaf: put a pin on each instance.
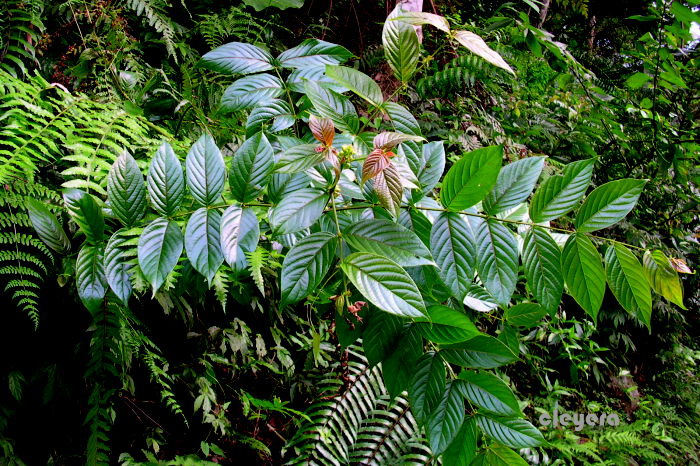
(384, 283)
(400, 366)
(427, 385)
(401, 47)
(47, 226)
(126, 192)
(637, 80)
(542, 267)
(559, 194)
(298, 210)
(453, 248)
(402, 119)
(608, 204)
(90, 276)
(358, 82)
(389, 239)
(237, 58)
(499, 455)
(313, 52)
(446, 419)
(160, 247)
(524, 315)
(480, 352)
(282, 184)
(166, 181)
(514, 184)
(84, 211)
(314, 74)
(240, 232)
(496, 258)
(305, 266)
(276, 115)
(416, 221)
(203, 241)
(662, 277)
(447, 325)
(381, 335)
(583, 273)
(432, 165)
(462, 450)
(488, 392)
(479, 299)
(206, 172)
(471, 178)
(251, 168)
(336, 107)
(299, 158)
(118, 267)
(418, 18)
(477, 46)
(251, 91)
(628, 282)
(515, 433)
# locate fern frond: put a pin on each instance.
(20, 30)
(154, 12)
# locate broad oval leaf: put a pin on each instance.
(203, 241)
(514, 184)
(471, 178)
(447, 325)
(336, 107)
(314, 74)
(515, 433)
(402, 119)
(90, 276)
(663, 278)
(281, 184)
(299, 158)
(389, 239)
(322, 129)
(298, 210)
(276, 115)
(305, 266)
(454, 251)
(312, 53)
(358, 82)
(477, 46)
(160, 247)
(400, 366)
(583, 273)
(499, 455)
(387, 186)
(381, 335)
(206, 171)
(84, 211)
(432, 165)
(462, 451)
(118, 267)
(496, 258)
(251, 168)
(237, 58)
(416, 221)
(126, 192)
(384, 283)
(401, 47)
(446, 419)
(427, 385)
(559, 194)
(418, 18)
(166, 181)
(608, 204)
(240, 232)
(251, 91)
(47, 226)
(542, 267)
(387, 140)
(524, 315)
(488, 392)
(480, 352)
(628, 282)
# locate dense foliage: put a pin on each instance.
(226, 238)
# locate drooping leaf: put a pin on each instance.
(384, 283)
(336, 107)
(514, 184)
(305, 266)
(496, 258)
(126, 191)
(374, 164)
(387, 140)
(240, 232)
(542, 266)
(117, 266)
(299, 158)
(401, 47)
(389, 239)
(85, 212)
(432, 165)
(322, 129)
(477, 46)
(628, 282)
(387, 185)
(471, 178)
(515, 433)
(447, 325)
(446, 419)
(480, 352)
(583, 273)
(427, 385)
(276, 115)
(206, 171)
(358, 82)
(559, 194)
(166, 181)
(251, 168)
(419, 18)
(398, 369)
(479, 299)
(662, 277)
(453, 249)
(524, 315)
(160, 247)
(298, 210)
(237, 58)
(251, 91)
(90, 276)
(608, 204)
(381, 336)
(488, 392)
(203, 241)
(313, 52)
(47, 226)
(462, 450)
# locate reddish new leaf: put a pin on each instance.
(322, 129)
(387, 185)
(374, 164)
(388, 139)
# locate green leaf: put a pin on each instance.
(203, 241)
(402, 119)
(427, 385)
(357, 82)
(305, 266)
(117, 266)
(663, 278)
(237, 58)
(559, 194)
(260, 5)
(47, 226)
(480, 352)
(90, 276)
(542, 267)
(446, 419)
(514, 184)
(399, 368)
(126, 192)
(515, 433)
(251, 91)
(583, 273)
(462, 450)
(206, 171)
(447, 326)
(637, 80)
(336, 107)
(608, 204)
(401, 46)
(240, 232)
(488, 392)
(628, 282)
(432, 165)
(471, 178)
(276, 115)
(314, 74)
(453, 248)
(416, 221)
(298, 210)
(418, 18)
(166, 181)
(86, 213)
(281, 184)
(499, 455)
(477, 46)
(381, 336)
(299, 158)
(524, 315)
(160, 247)
(251, 168)
(496, 258)
(388, 239)
(313, 52)
(384, 283)
(479, 299)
